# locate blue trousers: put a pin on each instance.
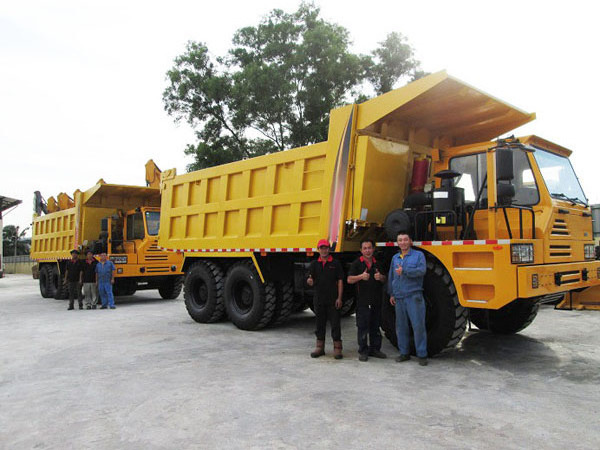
(106, 294)
(411, 308)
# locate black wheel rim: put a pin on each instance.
(199, 293)
(243, 297)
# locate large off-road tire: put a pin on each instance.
(203, 292)
(47, 282)
(445, 318)
(250, 304)
(171, 288)
(284, 303)
(62, 289)
(509, 319)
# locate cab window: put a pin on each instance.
(135, 226)
(474, 169)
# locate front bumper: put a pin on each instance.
(545, 279)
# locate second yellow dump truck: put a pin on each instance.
(504, 223)
(119, 220)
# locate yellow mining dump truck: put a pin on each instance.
(120, 220)
(504, 224)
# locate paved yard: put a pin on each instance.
(147, 376)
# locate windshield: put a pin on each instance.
(152, 222)
(560, 178)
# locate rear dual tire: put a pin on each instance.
(249, 302)
(48, 281)
(203, 292)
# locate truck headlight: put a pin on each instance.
(589, 251)
(521, 253)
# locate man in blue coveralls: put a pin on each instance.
(105, 278)
(405, 285)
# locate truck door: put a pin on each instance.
(115, 238)
(135, 235)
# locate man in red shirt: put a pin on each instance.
(326, 275)
(366, 273)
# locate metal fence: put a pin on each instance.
(17, 264)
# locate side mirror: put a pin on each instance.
(504, 164)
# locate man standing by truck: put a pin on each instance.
(366, 274)
(72, 279)
(407, 271)
(88, 279)
(326, 275)
(105, 278)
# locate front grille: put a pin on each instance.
(560, 251)
(153, 258)
(559, 228)
(154, 248)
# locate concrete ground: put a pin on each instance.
(146, 376)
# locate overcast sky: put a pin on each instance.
(81, 82)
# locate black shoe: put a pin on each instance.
(363, 357)
(103, 307)
(377, 354)
(93, 306)
(113, 307)
(88, 307)
(422, 361)
(70, 308)
(80, 306)
(402, 358)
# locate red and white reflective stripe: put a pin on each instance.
(426, 243)
(241, 250)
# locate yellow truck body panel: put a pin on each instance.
(293, 198)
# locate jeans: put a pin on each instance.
(327, 311)
(368, 319)
(106, 293)
(411, 308)
(90, 293)
(75, 293)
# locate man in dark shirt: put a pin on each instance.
(366, 273)
(326, 275)
(88, 279)
(72, 276)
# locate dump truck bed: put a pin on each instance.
(56, 234)
(287, 201)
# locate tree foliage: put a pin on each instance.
(276, 85)
(10, 235)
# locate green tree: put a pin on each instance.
(392, 61)
(276, 85)
(10, 235)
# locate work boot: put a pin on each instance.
(363, 357)
(402, 358)
(337, 350)
(319, 349)
(377, 354)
